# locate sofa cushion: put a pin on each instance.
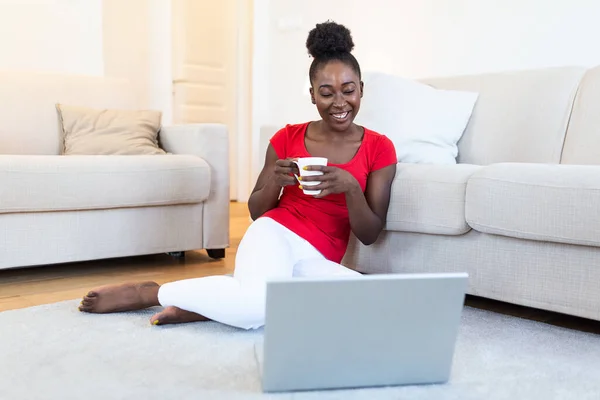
(429, 199)
(556, 203)
(56, 183)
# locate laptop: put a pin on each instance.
(357, 332)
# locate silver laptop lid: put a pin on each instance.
(361, 331)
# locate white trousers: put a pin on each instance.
(268, 250)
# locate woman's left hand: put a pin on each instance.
(333, 180)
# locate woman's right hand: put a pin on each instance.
(284, 172)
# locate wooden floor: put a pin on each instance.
(27, 287)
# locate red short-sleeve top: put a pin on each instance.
(324, 222)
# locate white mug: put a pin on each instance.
(305, 161)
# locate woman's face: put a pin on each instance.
(336, 91)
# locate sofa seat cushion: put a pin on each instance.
(544, 202)
(429, 198)
(57, 183)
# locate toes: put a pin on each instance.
(86, 305)
(162, 318)
(92, 294)
(174, 315)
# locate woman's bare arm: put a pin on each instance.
(368, 211)
(275, 174)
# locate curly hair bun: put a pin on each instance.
(329, 38)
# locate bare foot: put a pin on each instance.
(118, 298)
(174, 315)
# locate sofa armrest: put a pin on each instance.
(211, 143)
(429, 198)
(265, 135)
(425, 199)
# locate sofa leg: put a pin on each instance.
(177, 254)
(216, 253)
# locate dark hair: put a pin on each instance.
(330, 41)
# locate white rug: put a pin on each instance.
(54, 352)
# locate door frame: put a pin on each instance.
(243, 96)
(241, 133)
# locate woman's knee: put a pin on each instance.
(264, 252)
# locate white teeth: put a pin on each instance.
(341, 116)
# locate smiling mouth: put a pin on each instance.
(341, 116)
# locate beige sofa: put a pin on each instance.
(520, 212)
(56, 208)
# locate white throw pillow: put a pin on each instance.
(424, 123)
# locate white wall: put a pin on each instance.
(51, 35)
(432, 38)
(137, 46)
(125, 39)
(419, 39)
(261, 96)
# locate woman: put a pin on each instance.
(295, 234)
